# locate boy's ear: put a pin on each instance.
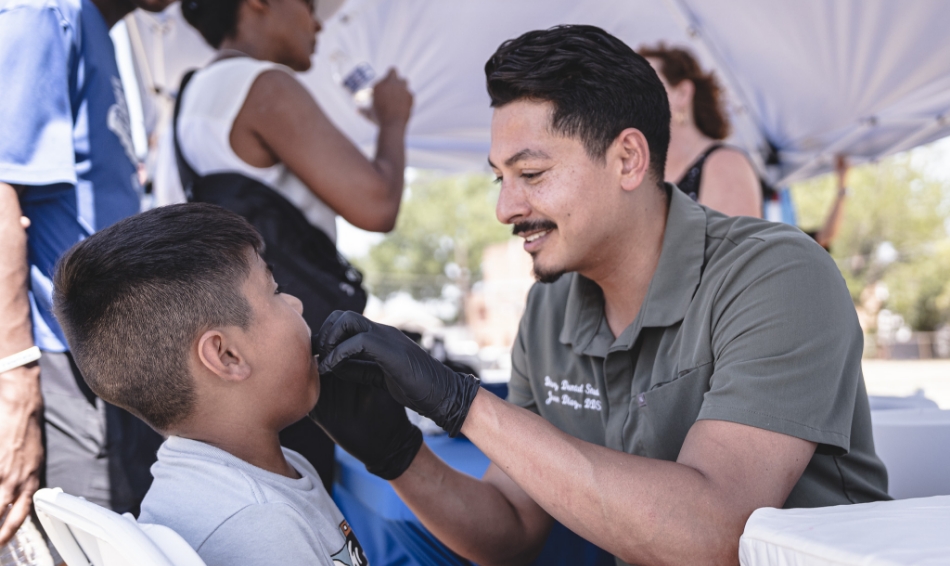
(221, 357)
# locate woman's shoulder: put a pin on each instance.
(221, 88)
(728, 157)
(226, 74)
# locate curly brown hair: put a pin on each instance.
(677, 65)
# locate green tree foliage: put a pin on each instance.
(920, 290)
(892, 205)
(444, 224)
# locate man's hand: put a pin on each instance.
(21, 446)
(409, 373)
(366, 422)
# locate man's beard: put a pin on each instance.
(546, 276)
(542, 275)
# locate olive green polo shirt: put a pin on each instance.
(744, 321)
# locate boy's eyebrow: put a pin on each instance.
(270, 269)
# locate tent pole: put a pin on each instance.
(915, 136)
(835, 147)
(744, 112)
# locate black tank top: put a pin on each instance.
(690, 181)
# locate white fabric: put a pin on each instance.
(914, 445)
(231, 512)
(885, 533)
(813, 77)
(211, 103)
(85, 533)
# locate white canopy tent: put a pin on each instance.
(805, 80)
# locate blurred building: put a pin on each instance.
(493, 309)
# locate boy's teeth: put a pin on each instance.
(534, 237)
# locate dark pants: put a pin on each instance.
(93, 449)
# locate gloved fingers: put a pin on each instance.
(352, 353)
(360, 372)
(328, 323)
(339, 326)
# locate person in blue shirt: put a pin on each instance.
(67, 169)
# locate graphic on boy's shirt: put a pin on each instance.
(352, 553)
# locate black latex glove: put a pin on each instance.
(409, 373)
(366, 422)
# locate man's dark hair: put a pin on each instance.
(133, 298)
(598, 85)
(215, 20)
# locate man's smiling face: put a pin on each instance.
(554, 194)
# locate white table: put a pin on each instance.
(887, 533)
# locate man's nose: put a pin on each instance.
(512, 204)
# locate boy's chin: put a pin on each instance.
(316, 390)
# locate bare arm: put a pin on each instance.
(829, 231)
(21, 449)
(642, 510)
(281, 122)
(491, 521)
(730, 185)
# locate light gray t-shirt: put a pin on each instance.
(231, 512)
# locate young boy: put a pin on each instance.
(173, 315)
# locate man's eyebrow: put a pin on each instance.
(523, 154)
(270, 269)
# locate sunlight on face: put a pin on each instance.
(552, 192)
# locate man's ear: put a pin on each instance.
(220, 356)
(633, 152)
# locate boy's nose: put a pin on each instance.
(294, 302)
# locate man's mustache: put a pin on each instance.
(532, 226)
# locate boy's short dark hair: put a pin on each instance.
(598, 85)
(133, 298)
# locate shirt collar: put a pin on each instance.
(671, 290)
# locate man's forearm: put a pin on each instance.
(15, 325)
(642, 510)
(472, 517)
(21, 403)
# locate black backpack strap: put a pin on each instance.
(185, 172)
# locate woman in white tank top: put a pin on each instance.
(247, 113)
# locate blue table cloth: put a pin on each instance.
(392, 536)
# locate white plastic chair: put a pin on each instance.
(86, 534)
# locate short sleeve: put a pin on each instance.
(519, 387)
(261, 535)
(36, 125)
(787, 345)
